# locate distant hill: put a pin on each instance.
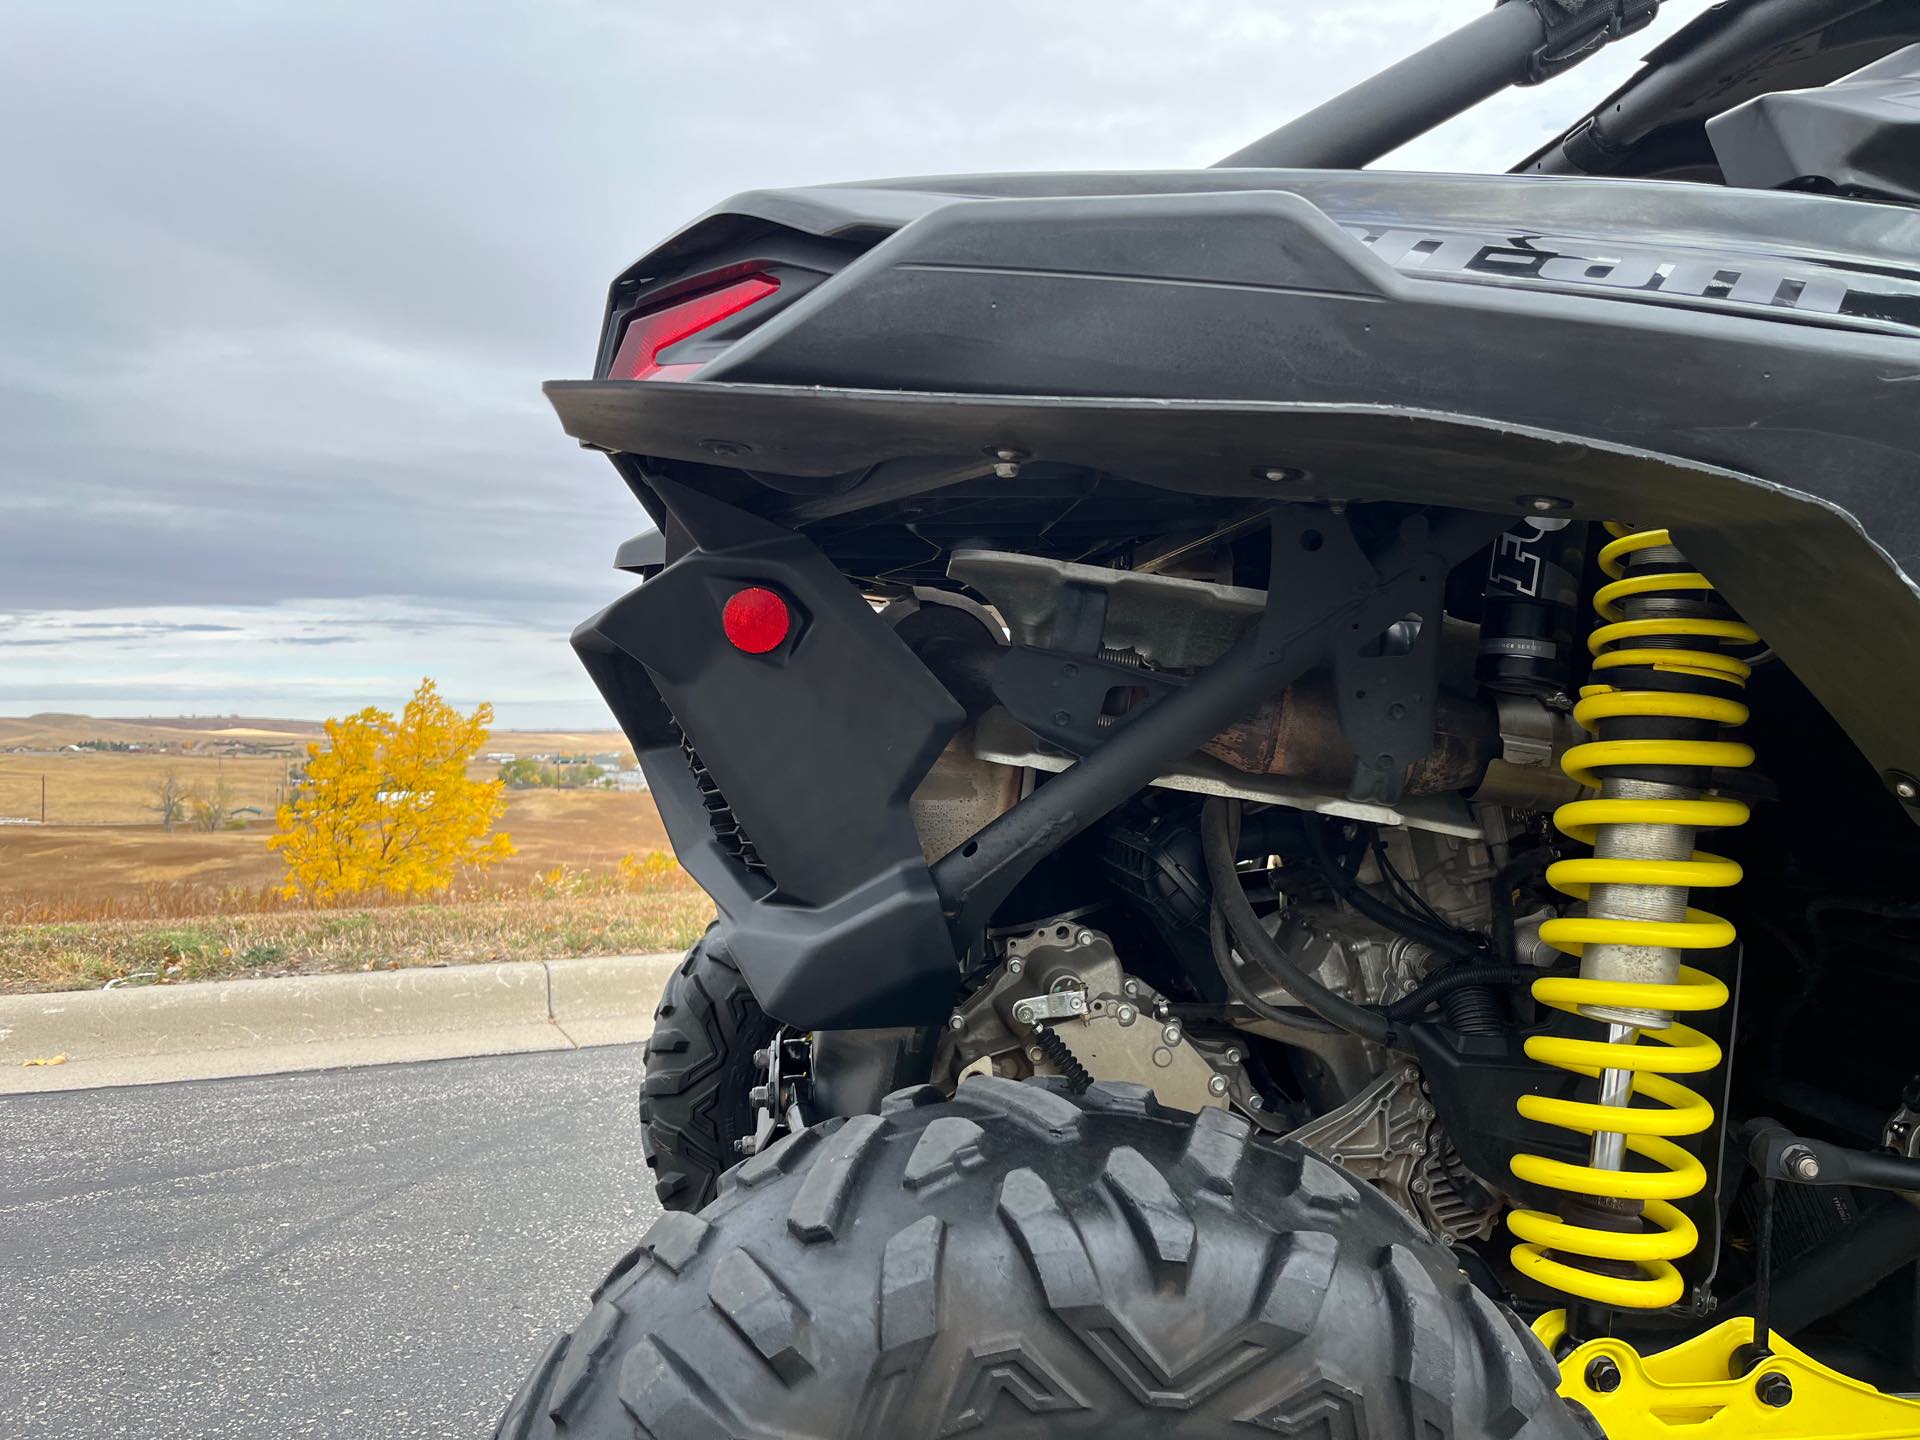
(51, 730)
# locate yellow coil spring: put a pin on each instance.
(1670, 1173)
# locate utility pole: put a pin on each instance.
(43, 797)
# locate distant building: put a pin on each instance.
(627, 780)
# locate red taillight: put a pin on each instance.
(654, 331)
(755, 620)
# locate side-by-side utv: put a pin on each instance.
(1309, 775)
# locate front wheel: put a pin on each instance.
(1022, 1261)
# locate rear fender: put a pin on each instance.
(832, 917)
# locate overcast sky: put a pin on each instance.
(279, 284)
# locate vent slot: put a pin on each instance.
(727, 829)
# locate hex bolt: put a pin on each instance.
(1036, 1054)
(1131, 989)
(1085, 937)
(1254, 1102)
(1171, 1034)
(1233, 1057)
(1801, 1162)
(1126, 1014)
(1217, 1085)
(1773, 1389)
(1023, 1012)
(1015, 965)
(1603, 1376)
(759, 1095)
(957, 1022)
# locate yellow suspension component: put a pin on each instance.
(1653, 625)
(1702, 1389)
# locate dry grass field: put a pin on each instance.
(102, 892)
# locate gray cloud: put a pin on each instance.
(278, 284)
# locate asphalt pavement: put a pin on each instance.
(373, 1252)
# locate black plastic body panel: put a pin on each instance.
(1192, 339)
(1741, 367)
(809, 752)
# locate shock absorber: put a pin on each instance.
(1664, 686)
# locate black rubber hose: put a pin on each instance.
(1245, 993)
(1472, 1010)
(1454, 977)
(1253, 941)
(1523, 867)
(1434, 937)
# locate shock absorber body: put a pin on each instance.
(1664, 687)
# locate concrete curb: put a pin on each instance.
(316, 1022)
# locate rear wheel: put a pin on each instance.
(1021, 1261)
(700, 1066)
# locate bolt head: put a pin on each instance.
(1603, 1376)
(1906, 788)
(1015, 965)
(1233, 1057)
(1036, 1054)
(957, 1022)
(1807, 1167)
(1254, 1102)
(1126, 1014)
(1217, 1085)
(1171, 1034)
(1545, 504)
(1773, 1389)
(1131, 988)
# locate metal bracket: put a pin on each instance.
(1387, 682)
(1062, 697)
(1707, 1388)
(1055, 1005)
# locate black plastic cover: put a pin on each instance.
(1859, 135)
(834, 921)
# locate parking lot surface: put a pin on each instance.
(374, 1252)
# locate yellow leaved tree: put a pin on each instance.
(388, 803)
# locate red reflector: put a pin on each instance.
(756, 620)
(648, 334)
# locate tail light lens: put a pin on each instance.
(653, 331)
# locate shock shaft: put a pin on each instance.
(1640, 964)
